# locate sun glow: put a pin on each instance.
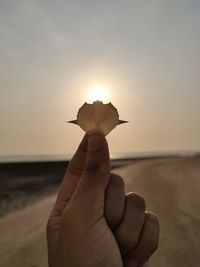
(98, 92)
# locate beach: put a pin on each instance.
(171, 189)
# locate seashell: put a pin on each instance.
(97, 115)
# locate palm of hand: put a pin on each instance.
(80, 234)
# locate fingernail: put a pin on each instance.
(95, 142)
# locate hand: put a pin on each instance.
(93, 223)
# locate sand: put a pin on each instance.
(22, 236)
(171, 189)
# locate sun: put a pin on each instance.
(98, 92)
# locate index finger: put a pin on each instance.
(73, 172)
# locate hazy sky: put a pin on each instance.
(147, 53)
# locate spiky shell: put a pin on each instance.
(98, 116)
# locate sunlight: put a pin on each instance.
(98, 92)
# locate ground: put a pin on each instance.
(171, 189)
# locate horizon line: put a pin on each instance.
(113, 156)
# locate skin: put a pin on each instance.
(93, 222)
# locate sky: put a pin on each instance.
(145, 54)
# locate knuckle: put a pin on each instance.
(153, 245)
(91, 168)
(126, 241)
(137, 200)
(130, 240)
(153, 232)
(153, 221)
(94, 167)
(117, 181)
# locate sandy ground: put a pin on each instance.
(22, 236)
(171, 189)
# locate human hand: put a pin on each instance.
(93, 222)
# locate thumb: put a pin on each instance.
(96, 173)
